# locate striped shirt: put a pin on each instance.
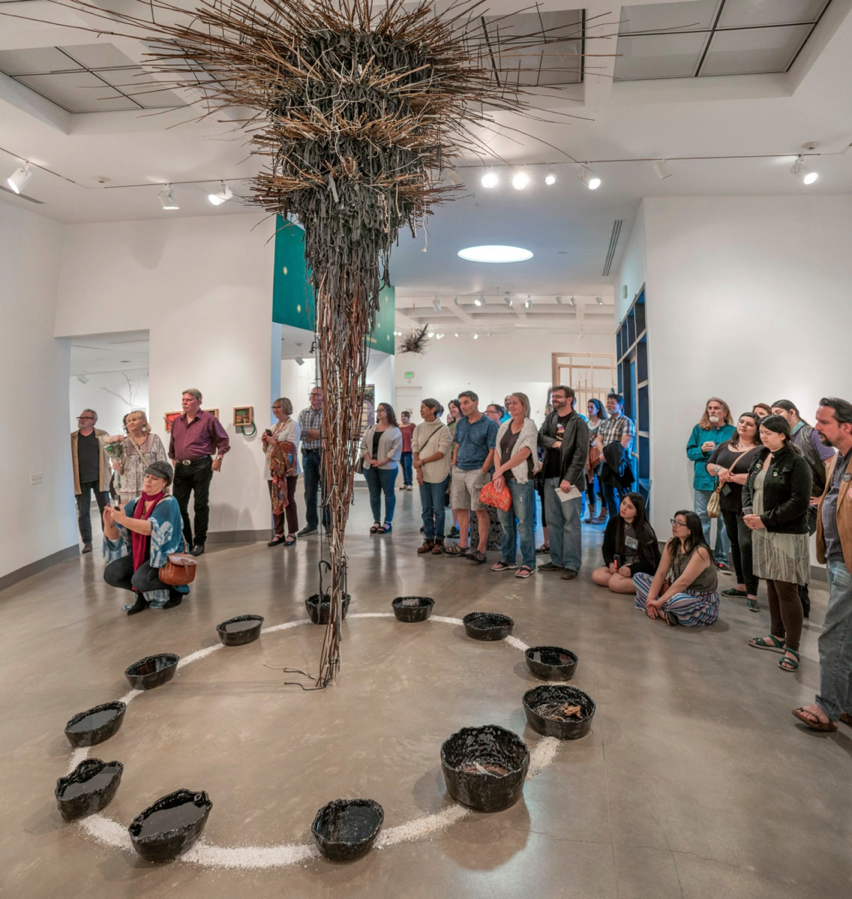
(310, 419)
(613, 429)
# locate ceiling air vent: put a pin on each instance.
(613, 243)
(21, 196)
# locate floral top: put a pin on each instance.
(133, 465)
(289, 431)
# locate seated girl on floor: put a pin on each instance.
(629, 547)
(690, 598)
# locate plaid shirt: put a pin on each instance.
(615, 428)
(310, 419)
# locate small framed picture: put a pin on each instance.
(170, 417)
(243, 416)
(213, 412)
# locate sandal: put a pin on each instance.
(453, 549)
(477, 556)
(291, 539)
(524, 571)
(543, 549)
(503, 566)
(813, 722)
(787, 663)
(386, 528)
(846, 718)
(375, 528)
(775, 645)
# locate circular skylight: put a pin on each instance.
(495, 254)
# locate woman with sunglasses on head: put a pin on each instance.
(776, 498)
(730, 463)
(690, 599)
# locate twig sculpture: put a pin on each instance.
(357, 106)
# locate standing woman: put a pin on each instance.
(281, 446)
(381, 449)
(516, 445)
(776, 498)
(141, 448)
(597, 415)
(433, 453)
(454, 415)
(716, 427)
(730, 463)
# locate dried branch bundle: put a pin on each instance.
(414, 341)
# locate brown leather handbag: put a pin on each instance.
(179, 570)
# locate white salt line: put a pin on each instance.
(370, 615)
(518, 644)
(286, 626)
(77, 756)
(255, 857)
(198, 654)
(421, 827)
(106, 831)
(445, 620)
(544, 752)
(129, 697)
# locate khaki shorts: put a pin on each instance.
(464, 493)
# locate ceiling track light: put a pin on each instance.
(436, 304)
(439, 335)
(528, 303)
(455, 334)
(558, 301)
(489, 179)
(662, 169)
(572, 301)
(799, 168)
(588, 177)
(520, 180)
(476, 337)
(479, 301)
(300, 360)
(508, 300)
(221, 196)
(599, 301)
(19, 179)
(550, 179)
(167, 200)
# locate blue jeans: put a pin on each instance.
(835, 644)
(563, 527)
(312, 469)
(523, 508)
(432, 500)
(723, 545)
(379, 481)
(407, 468)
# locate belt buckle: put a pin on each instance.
(185, 461)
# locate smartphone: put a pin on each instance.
(617, 559)
(268, 432)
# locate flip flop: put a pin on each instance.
(805, 717)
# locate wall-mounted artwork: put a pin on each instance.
(170, 417)
(243, 416)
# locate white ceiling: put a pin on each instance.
(567, 227)
(121, 351)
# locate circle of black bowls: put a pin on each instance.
(152, 671)
(96, 724)
(485, 767)
(170, 826)
(89, 788)
(542, 703)
(318, 611)
(240, 630)
(412, 608)
(346, 829)
(487, 625)
(551, 662)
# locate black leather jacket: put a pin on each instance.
(786, 491)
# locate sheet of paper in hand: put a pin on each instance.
(564, 497)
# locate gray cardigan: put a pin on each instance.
(390, 446)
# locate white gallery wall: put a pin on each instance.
(110, 396)
(202, 287)
(748, 299)
(34, 366)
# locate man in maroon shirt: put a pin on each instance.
(196, 437)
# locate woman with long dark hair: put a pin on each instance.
(730, 463)
(629, 547)
(776, 498)
(597, 416)
(381, 449)
(690, 597)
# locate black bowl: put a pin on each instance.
(551, 662)
(485, 767)
(487, 625)
(412, 608)
(170, 826)
(542, 702)
(89, 788)
(318, 611)
(347, 828)
(240, 630)
(152, 671)
(96, 724)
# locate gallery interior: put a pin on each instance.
(295, 240)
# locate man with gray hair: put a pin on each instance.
(196, 437)
(91, 472)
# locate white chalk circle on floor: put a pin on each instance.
(111, 833)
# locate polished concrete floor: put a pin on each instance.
(695, 780)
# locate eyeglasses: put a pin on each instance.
(678, 524)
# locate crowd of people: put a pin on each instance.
(771, 480)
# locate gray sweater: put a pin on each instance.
(390, 446)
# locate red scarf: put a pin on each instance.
(139, 542)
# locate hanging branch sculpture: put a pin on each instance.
(357, 106)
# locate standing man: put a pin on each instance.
(473, 455)
(565, 438)
(407, 431)
(310, 420)
(196, 437)
(618, 427)
(834, 549)
(818, 456)
(91, 472)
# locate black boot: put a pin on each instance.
(139, 606)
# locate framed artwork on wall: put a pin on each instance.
(169, 418)
(243, 416)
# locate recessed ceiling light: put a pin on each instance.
(221, 196)
(520, 181)
(19, 179)
(489, 179)
(662, 170)
(589, 178)
(549, 179)
(495, 254)
(167, 200)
